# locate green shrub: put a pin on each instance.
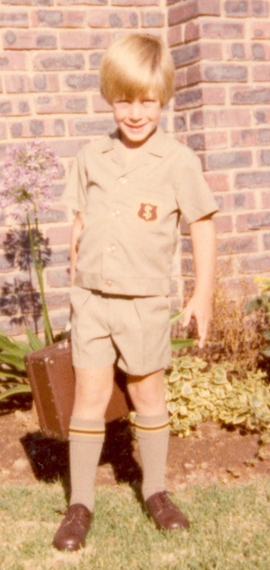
(196, 392)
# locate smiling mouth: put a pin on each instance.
(135, 127)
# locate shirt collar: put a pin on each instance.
(155, 145)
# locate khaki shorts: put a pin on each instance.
(131, 332)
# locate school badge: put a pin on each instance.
(148, 212)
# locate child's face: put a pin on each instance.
(136, 119)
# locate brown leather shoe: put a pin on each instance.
(165, 513)
(73, 529)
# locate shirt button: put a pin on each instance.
(116, 213)
(111, 248)
(123, 180)
(108, 283)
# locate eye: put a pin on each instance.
(149, 102)
(121, 102)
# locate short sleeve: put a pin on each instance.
(76, 188)
(194, 197)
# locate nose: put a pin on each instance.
(135, 110)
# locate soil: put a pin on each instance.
(212, 455)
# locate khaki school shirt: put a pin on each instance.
(131, 213)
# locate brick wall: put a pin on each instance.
(221, 51)
(49, 60)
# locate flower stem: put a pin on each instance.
(36, 255)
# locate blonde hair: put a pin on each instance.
(134, 65)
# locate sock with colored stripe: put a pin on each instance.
(152, 433)
(86, 439)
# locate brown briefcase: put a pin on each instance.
(52, 380)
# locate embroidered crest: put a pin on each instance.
(148, 212)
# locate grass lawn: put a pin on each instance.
(230, 530)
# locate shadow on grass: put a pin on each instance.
(50, 462)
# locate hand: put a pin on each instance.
(201, 310)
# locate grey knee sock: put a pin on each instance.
(153, 437)
(86, 439)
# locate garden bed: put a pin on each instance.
(213, 454)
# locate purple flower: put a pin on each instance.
(28, 173)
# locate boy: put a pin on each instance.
(129, 190)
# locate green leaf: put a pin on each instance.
(176, 317)
(12, 348)
(12, 360)
(174, 377)
(22, 389)
(181, 343)
(34, 341)
(186, 390)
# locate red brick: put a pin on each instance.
(59, 61)
(191, 33)
(37, 128)
(152, 19)
(98, 18)
(27, 84)
(28, 40)
(14, 19)
(250, 95)
(264, 157)
(135, 3)
(26, 2)
(175, 35)
(260, 30)
(188, 98)
(57, 277)
(99, 104)
(236, 51)
(253, 179)
(224, 224)
(266, 199)
(236, 8)
(180, 77)
(218, 181)
(251, 222)
(260, 8)
(224, 72)
(209, 7)
(261, 72)
(213, 95)
(10, 61)
(217, 139)
(46, 104)
(86, 127)
(59, 18)
(244, 137)
(193, 74)
(186, 54)
(211, 50)
(182, 12)
(81, 2)
(180, 122)
(260, 51)
(234, 201)
(221, 118)
(254, 264)
(222, 29)
(95, 59)
(262, 115)
(3, 130)
(266, 241)
(59, 235)
(231, 160)
(81, 81)
(232, 245)
(84, 39)
(14, 107)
